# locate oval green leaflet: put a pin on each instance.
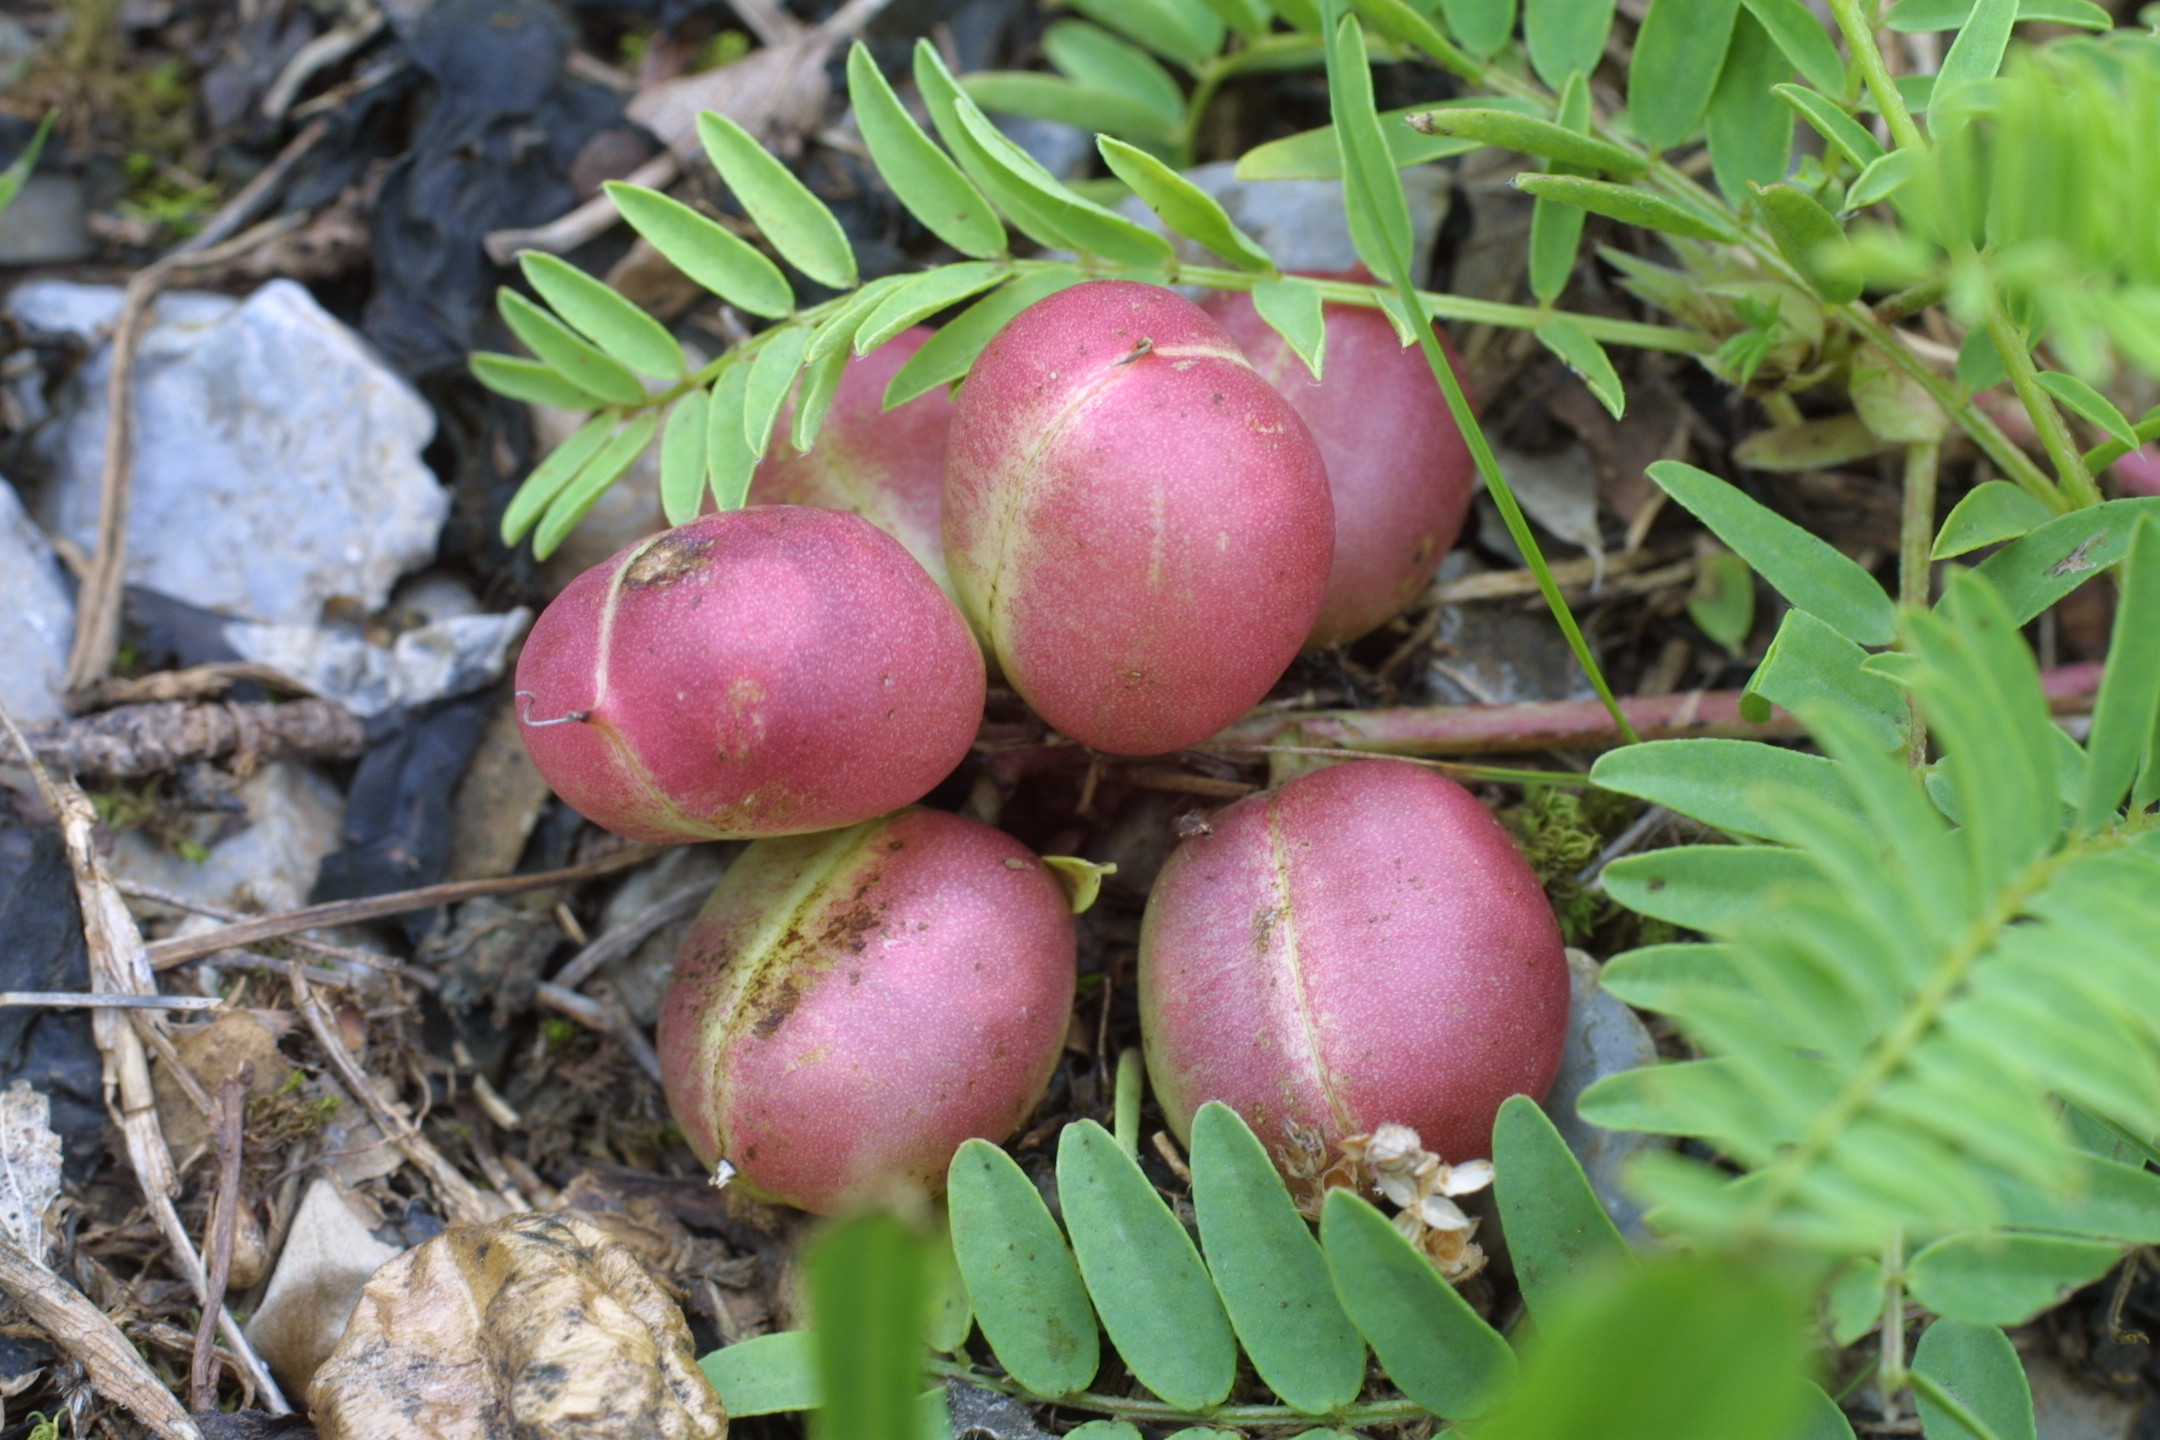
(1912, 17)
(947, 355)
(919, 297)
(1314, 154)
(1994, 1277)
(772, 375)
(1268, 1269)
(1565, 37)
(552, 474)
(1556, 229)
(1884, 177)
(606, 318)
(532, 381)
(1432, 1344)
(602, 378)
(1373, 200)
(1977, 53)
(1722, 603)
(1297, 312)
(1973, 1369)
(1531, 136)
(1810, 237)
(1021, 1278)
(1704, 887)
(814, 395)
(797, 223)
(1093, 229)
(1803, 39)
(923, 177)
(1091, 56)
(1184, 207)
(1724, 782)
(1181, 30)
(1623, 203)
(729, 459)
(1155, 1297)
(1749, 129)
(709, 253)
(2089, 405)
(1482, 26)
(765, 1375)
(1991, 512)
(1581, 353)
(1802, 567)
(1085, 107)
(682, 458)
(1679, 52)
(581, 494)
(1844, 134)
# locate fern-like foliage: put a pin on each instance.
(1909, 982)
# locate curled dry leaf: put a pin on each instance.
(29, 1167)
(538, 1327)
(1421, 1185)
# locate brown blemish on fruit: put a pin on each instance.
(669, 558)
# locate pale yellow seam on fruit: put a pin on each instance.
(1293, 968)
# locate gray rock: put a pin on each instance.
(1301, 222)
(40, 617)
(1605, 1037)
(1066, 151)
(277, 460)
(2067, 1407)
(450, 657)
(294, 818)
(640, 978)
(1559, 491)
(47, 223)
(327, 1259)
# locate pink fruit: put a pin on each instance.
(762, 672)
(885, 465)
(1400, 472)
(1363, 946)
(850, 1007)
(1137, 523)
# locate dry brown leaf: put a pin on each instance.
(537, 1327)
(29, 1167)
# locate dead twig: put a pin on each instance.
(179, 949)
(224, 1225)
(258, 192)
(90, 1000)
(118, 964)
(84, 1334)
(366, 959)
(608, 1018)
(635, 931)
(138, 740)
(462, 1201)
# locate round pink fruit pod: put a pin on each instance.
(1137, 523)
(1363, 946)
(850, 1007)
(1399, 469)
(887, 466)
(767, 671)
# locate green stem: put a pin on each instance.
(1377, 1412)
(1125, 1116)
(1916, 541)
(2055, 438)
(1860, 37)
(1890, 1375)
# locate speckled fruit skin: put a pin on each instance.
(1141, 534)
(850, 1007)
(1360, 947)
(768, 671)
(887, 466)
(1400, 470)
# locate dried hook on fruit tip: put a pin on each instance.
(526, 698)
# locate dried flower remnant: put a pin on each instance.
(1423, 1187)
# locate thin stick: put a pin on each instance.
(257, 192)
(635, 931)
(86, 1336)
(367, 959)
(178, 950)
(226, 1127)
(80, 1000)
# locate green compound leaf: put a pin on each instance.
(1810, 237)
(1482, 26)
(765, 1375)
(729, 459)
(532, 381)
(1566, 37)
(1704, 887)
(1623, 203)
(806, 233)
(1581, 353)
(1750, 130)
(717, 258)
(581, 494)
(1991, 512)
(1803, 568)
(1298, 313)
(1844, 134)
(2038, 569)
(2089, 405)
(1557, 1232)
(923, 177)
(947, 355)
(1091, 56)
(1154, 1295)
(552, 474)
(869, 1290)
(1803, 39)
(1726, 783)
(1269, 1270)
(1684, 1348)
(1912, 17)
(606, 318)
(602, 379)
(1184, 207)
(1531, 136)
(1975, 1369)
(1052, 97)
(1556, 229)
(1678, 53)
(2128, 708)
(1021, 1278)
(1428, 1339)
(918, 297)
(1999, 1278)
(682, 458)
(772, 375)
